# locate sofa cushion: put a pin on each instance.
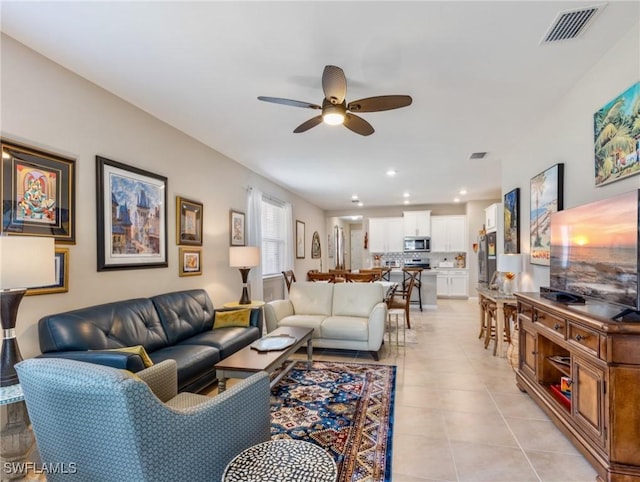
(311, 298)
(228, 340)
(193, 361)
(345, 328)
(305, 321)
(356, 299)
(111, 325)
(184, 313)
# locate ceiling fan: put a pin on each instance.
(335, 109)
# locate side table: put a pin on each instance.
(16, 436)
(280, 460)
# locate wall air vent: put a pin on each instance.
(477, 155)
(571, 24)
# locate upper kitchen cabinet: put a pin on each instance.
(386, 235)
(417, 223)
(491, 218)
(448, 233)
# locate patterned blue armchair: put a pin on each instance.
(109, 425)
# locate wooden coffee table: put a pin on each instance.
(248, 361)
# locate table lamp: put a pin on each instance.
(244, 257)
(25, 262)
(510, 265)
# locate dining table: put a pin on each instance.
(500, 299)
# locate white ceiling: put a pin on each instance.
(477, 73)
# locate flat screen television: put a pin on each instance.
(594, 253)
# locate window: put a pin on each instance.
(273, 237)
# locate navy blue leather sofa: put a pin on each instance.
(174, 326)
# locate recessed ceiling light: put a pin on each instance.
(406, 201)
(406, 194)
(463, 192)
(392, 172)
(360, 204)
(354, 197)
(456, 199)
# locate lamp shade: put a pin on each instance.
(509, 263)
(26, 262)
(244, 256)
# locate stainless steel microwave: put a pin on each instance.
(417, 244)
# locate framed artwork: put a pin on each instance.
(316, 251)
(38, 193)
(190, 261)
(61, 284)
(132, 217)
(616, 130)
(237, 228)
(299, 239)
(546, 198)
(329, 246)
(512, 222)
(188, 222)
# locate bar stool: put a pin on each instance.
(416, 275)
(492, 321)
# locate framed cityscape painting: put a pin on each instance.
(616, 129)
(132, 217)
(512, 222)
(546, 198)
(38, 193)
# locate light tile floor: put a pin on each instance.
(459, 415)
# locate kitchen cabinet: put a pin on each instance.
(386, 235)
(417, 223)
(448, 233)
(600, 359)
(491, 218)
(452, 283)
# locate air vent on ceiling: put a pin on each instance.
(571, 24)
(477, 155)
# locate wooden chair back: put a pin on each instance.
(360, 277)
(318, 276)
(289, 277)
(375, 271)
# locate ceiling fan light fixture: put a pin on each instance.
(333, 114)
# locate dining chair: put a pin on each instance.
(289, 277)
(375, 271)
(360, 277)
(401, 299)
(318, 276)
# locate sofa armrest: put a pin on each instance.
(114, 359)
(276, 310)
(162, 379)
(377, 322)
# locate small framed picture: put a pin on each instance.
(299, 239)
(546, 198)
(188, 222)
(61, 284)
(190, 261)
(236, 228)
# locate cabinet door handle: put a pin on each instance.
(557, 326)
(534, 352)
(535, 317)
(580, 337)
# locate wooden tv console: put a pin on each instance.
(601, 358)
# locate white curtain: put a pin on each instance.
(254, 237)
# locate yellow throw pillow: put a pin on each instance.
(224, 319)
(137, 350)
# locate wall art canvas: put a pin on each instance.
(512, 221)
(38, 193)
(617, 137)
(316, 251)
(132, 217)
(188, 222)
(190, 262)
(546, 198)
(299, 239)
(236, 228)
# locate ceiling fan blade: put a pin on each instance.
(305, 126)
(293, 103)
(334, 84)
(379, 103)
(358, 125)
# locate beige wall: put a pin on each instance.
(565, 135)
(48, 107)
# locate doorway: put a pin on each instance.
(356, 247)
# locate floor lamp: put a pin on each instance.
(244, 258)
(25, 262)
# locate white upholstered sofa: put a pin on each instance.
(348, 316)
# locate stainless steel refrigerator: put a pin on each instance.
(486, 257)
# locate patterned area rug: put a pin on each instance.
(346, 408)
